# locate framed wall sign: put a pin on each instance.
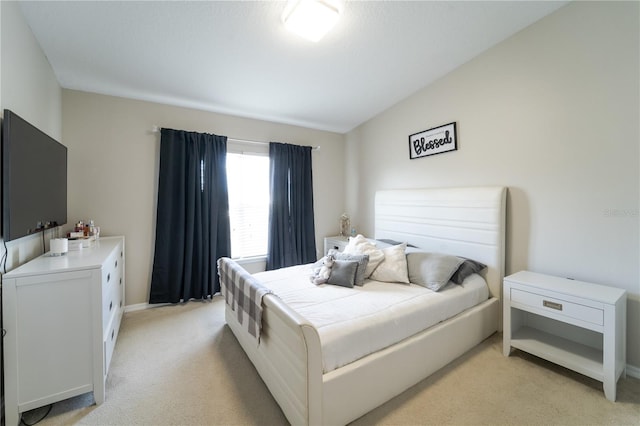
(433, 141)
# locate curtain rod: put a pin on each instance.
(156, 129)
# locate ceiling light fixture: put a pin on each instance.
(311, 19)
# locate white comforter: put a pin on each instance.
(354, 322)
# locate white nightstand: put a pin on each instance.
(578, 325)
(337, 242)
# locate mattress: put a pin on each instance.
(355, 322)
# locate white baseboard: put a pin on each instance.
(143, 306)
(633, 371)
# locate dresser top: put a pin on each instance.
(87, 258)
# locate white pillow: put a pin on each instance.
(360, 245)
(393, 268)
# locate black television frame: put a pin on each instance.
(34, 179)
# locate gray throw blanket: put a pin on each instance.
(243, 294)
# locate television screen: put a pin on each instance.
(34, 179)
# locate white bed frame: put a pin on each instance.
(467, 222)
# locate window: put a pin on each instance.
(248, 183)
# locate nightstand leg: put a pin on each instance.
(506, 350)
(506, 322)
(609, 356)
(609, 387)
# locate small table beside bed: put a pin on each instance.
(423, 292)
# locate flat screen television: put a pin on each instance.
(34, 179)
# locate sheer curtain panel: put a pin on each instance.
(192, 222)
(292, 238)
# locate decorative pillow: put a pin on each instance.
(362, 259)
(360, 245)
(467, 268)
(432, 270)
(393, 268)
(343, 273)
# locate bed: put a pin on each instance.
(467, 222)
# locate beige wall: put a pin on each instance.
(552, 113)
(113, 168)
(31, 90)
(29, 86)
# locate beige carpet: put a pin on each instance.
(180, 365)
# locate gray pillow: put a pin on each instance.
(362, 259)
(431, 270)
(467, 268)
(343, 273)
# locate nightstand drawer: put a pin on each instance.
(558, 306)
(336, 243)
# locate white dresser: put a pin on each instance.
(62, 316)
(579, 325)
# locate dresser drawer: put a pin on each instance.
(558, 306)
(109, 343)
(111, 269)
(111, 304)
(111, 287)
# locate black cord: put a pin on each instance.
(3, 260)
(4, 256)
(39, 420)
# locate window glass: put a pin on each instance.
(248, 182)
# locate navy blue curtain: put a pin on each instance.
(192, 221)
(292, 239)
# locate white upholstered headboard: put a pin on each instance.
(468, 222)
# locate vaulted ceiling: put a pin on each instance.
(235, 57)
